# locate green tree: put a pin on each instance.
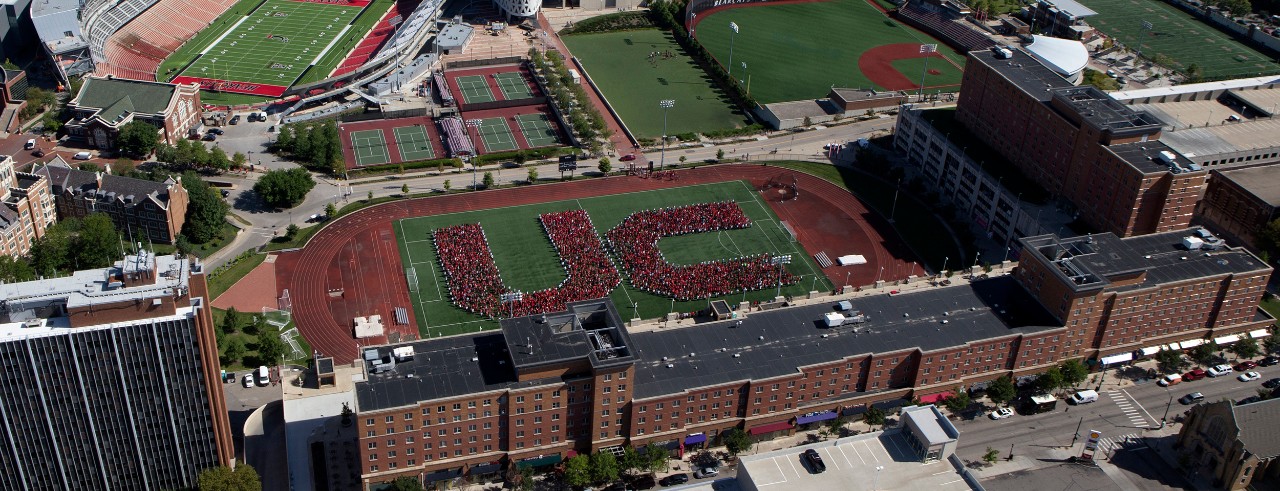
(222, 478)
(991, 456)
(683, 159)
(1171, 361)
(302, 146)
(13, 270)
(231, 320)
(404, 189)
(736, 441)
(122, 166)
(874, 416)
(370, 198)
(51, 253)
(488, 180)
(958, 401)
(218, 159)
(270, 347)
(291, 231)
(577, 471)
(1205, 354)
(199, 154)
(1073, 373)
(604, 467)
(533, 175)
(447, 185)
(720, 154)
(137, 139)
(284, 140)
(1272, 344)
(98, 244)
(284, 188)
(605, 166)
(1245, 349)
(330, 210)
(232, 350)
(206, 210)
(238, 160)
(1049, 380)
(405, 483)
(630, 460)
(1001, 390)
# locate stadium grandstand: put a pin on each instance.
(945, 20)
(138, 47)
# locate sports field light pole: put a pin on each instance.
(473, 123)
(747, 76)
(780, 261)
(665, 104)
(926, 50)
(510, 298)
(734, 26)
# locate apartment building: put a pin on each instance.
(144, 210)
(27, 210)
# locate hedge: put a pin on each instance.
(621, 21)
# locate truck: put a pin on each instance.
(1040, 403)
(577, 78)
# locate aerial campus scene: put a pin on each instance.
(675, 244)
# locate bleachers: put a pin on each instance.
(137, 47)
(376, 37)
(955, 32)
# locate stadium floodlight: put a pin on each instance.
(665, 104)
(734, 26)
(926, 50)
(474, 123)
(510, 298)
(780, 261)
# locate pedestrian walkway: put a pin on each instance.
(1128, 406)
(1110, 445)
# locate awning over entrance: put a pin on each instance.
(1260, 333)
(695, 439)
(815, 417)
(1117, 358)
(1227, 339)
(539, 461)
(1151, 350)
(1173, 346)
(443, 475)
(484, 469)
(771, 427)
(934, 398)
(1191, 343)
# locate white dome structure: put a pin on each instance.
(520, 8)
(1064, 56)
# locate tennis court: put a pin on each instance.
(513, 86)
(370, 147)
(474, 89)
(537, 130)
(413, 143)
(496, 135)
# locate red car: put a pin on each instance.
(628, 157)
(1196, 374)
(1245, 366)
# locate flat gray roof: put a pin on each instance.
(1142, 156)
(1025, 72)
(925, 421)
(1071, 7)
(1263, 182)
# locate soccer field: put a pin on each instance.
(267, 50)
(1179, 36)
(790, 52)
(528, 262)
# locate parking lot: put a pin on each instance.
(882, 460)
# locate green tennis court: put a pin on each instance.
(474, 89)
(369, 147)
(413, 143)
(537, 130)
(496, 135)
(513, 86)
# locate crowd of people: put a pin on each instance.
(635, 243)
(476, 286)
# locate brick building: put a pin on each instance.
(143, 209)
(103, 105)
(547, 387)
(111, 379)
(1078, 143)
(13, 97)
(28, 208)
(1240, 202)
(1235, 447)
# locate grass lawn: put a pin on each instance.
(619, 63)
(1179, 36)
(1271, 305)
(249, 360)
(528, 262)
(798, 51)
(223, 278)
(916, 224)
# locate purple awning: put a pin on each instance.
(695, 439)
(815, 417)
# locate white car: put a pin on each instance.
(1220, 370)
(705, 473)
(1249, 376)
(248, 380)
(1001, 413)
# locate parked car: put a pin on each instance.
(210, 137)
(1001, 413)
(815, 461)
(31, 143)
(216, 131)
(264, 376)
(1167, 380)
(1248, 400)
(37, 153)
(82, 156)
(1268, 361)
(643, 481)
(1193, 375)
(248, 380)
(705, 472)
(1249, 376)
(1219, 370)
(628, 157)
(1084, 397)
(1191, 398)
(1245, 366)
(674, 479)
(234, 119)
(1272, 383)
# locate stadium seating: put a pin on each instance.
(376, 37)
(148, 31)
(955, 32)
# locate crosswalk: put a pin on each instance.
(1107, 445)
(1131, 411)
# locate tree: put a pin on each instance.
(122, 166)
(630, 460)
(1205, 354)
(51, 252)
(284, 188)
(1001, 390)
(137, 139)
(874, 416)
(447, 185)
(683, 159)
(1049, 380)
(13, 270)
(218, 159)
(958, 401)
(1245, 349)
(736, 441)
(720, 154)
(405, 483)
(488, 180)
(533, 175)
(330, 210)
(238, 160)
(1171, 361)
(284, 140)
(206, 210)
(604, 467)
(655, 458)
(404, 189)
(991, 455)
(222, 478)
(1073, 373)
(291, 231)
(370, 198)
(231, 320)
(232, 350)
(98, 244)
(1272, 344)
(270, 347)
(577, 471)
(605, 167)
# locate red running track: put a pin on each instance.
(352, 267)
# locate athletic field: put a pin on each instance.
(1179, 36)
(791, 52)
(620, 64)
(528, 262)
(269, 48)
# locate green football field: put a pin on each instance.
(619, 63)
(798, 51)
(1179, 36)
(528, 262)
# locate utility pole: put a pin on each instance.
(1077, 435)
